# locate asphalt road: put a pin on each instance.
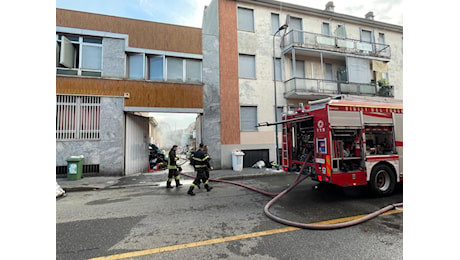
(151, 222)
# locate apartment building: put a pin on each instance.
(250, 74)
(110, 72)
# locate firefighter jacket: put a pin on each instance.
(172, 158)
(201, 159)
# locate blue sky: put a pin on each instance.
(190, 12)
(180, 12)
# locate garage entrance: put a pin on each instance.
(144, 129)
(253, 156)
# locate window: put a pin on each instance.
(299, 69)
(366, 36)
(247, 66)
(248, 118)
(296, 26)
(340, 32)
(325, 29)
(381, 38)
(366, 44)
(245, 19)
(174, 69)
(156, 68)
(275, 18)
(78, 55)
(278, 71)
(329, 74)
(161, 68)
(78, 117)
(136, 66)
(192, 70)
(91, 57)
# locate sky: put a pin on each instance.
(190, 12)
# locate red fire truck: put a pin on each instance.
(347, 143)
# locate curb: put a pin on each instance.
(82, 188)
(253, 175)
(238, 176)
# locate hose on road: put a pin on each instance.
(298, 180)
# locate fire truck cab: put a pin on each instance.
(346, 143)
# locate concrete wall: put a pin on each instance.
(211, 124)
(114, 58)
(109, 150)
(260, 92)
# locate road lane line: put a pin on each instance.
(346, 219)
(231, 238)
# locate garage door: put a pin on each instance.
(136, 150)
(253, 156)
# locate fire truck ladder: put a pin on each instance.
(285, 129)
(285, 150)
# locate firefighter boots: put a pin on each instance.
(190, 191)
(178, 184)
(168, 185)
(208, 188)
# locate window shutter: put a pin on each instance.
(248, 118)
(67, 53)
(245, 19)
(247, 66)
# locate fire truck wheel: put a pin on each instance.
(382, 180)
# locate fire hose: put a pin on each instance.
(298, 180)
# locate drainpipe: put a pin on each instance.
(283, 27)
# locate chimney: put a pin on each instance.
(330, 6)
(370, 15)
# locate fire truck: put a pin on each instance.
(346, 143)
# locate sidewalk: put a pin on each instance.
(154, 178)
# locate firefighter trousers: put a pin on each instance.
(201, 176)
(173, 173)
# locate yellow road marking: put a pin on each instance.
(231, 238)
(346, 219)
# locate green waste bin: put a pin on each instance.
(74, 167)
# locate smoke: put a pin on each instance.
(167, 136)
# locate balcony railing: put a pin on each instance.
(336, 44)
(305, 86)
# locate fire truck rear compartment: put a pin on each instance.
(303, 144)
(345, 154)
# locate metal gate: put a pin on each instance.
(136, 144)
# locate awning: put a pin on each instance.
(379, 66)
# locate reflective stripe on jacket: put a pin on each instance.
(201, 159)
(172, 160)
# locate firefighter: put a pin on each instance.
(202, 166)
(173, 168)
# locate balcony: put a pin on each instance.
(307, 40)
(302, 87)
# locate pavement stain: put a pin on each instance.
(106, 201)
